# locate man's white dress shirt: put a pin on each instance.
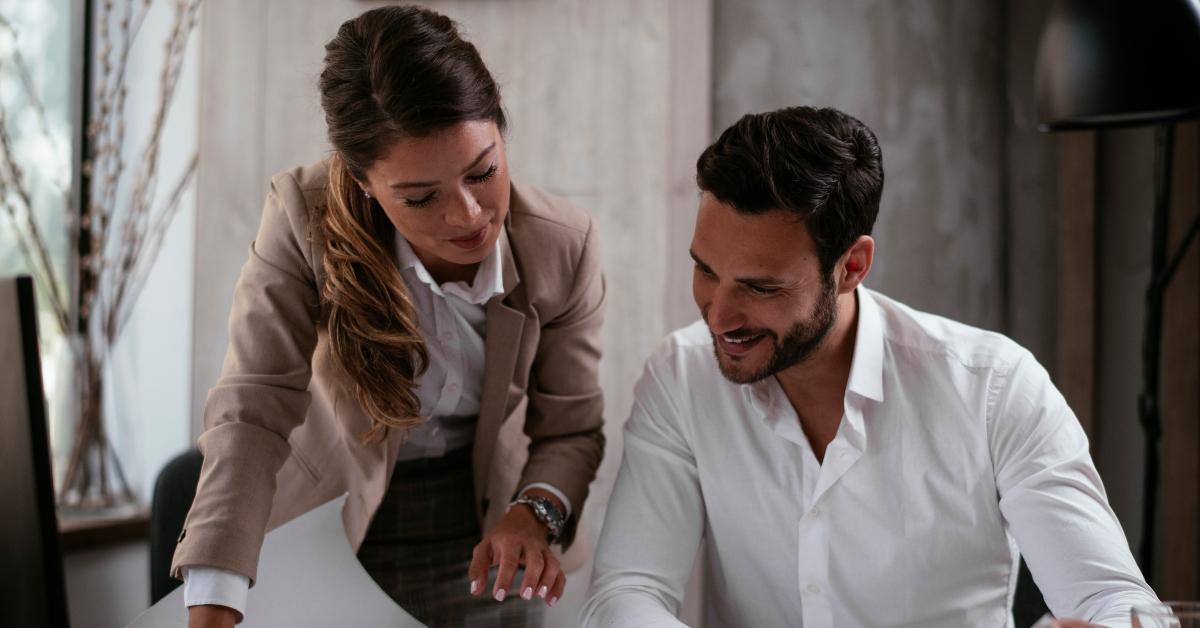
(954, 450)
(452, 320)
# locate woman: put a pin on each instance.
(402, 301)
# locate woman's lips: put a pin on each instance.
(739, 346)
(471, 241)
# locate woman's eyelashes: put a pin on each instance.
(485, 175)
(472, 179)
(420, 202)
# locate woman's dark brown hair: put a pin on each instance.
(390, 73)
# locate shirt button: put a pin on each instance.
(452, 388)
(816, 511)
(813, 588)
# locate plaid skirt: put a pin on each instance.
(418, 547)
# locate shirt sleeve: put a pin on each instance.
(654, 522)
(1054, 501)
(220, 587)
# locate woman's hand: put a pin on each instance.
(519, 539)
(211, 616)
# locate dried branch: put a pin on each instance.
(29, 234)
(154, 240)
(137, 223)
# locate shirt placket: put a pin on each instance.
(813, 549)
(449, 342)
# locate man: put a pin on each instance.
(844, 459)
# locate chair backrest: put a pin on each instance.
(174, 491)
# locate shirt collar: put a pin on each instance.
(488, 282)
(866, 368)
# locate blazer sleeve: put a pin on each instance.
(262, 393)
(564, 420)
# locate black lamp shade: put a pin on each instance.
(1118, 62)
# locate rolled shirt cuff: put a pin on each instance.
(216, 586)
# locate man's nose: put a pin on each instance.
(724, 312)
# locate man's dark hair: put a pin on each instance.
(820, 164)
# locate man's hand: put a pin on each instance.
(519, 539)
(211, 616)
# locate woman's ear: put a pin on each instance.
(366, 190)
(855, 264)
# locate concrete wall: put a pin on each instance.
(1029, 193)
(926, 76)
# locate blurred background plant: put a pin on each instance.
(87, 228)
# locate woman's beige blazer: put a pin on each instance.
(283, 429)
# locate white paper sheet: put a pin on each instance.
(307, 576)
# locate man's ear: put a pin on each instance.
(855, 264)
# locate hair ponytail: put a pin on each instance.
(373, 331)
(390, 73)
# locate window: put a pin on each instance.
(38, 90)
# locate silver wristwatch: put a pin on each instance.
(545, 511)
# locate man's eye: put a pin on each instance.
(761, 291)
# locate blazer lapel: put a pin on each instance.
(501, 344)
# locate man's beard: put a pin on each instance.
(798, 344)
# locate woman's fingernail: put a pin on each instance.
(552, 600)
(500, 593)
(474, 587)
(527, 594)
(543, 591)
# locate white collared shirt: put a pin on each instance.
(453, 321)
(954, 450)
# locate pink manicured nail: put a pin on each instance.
(527, 594)
(552, 600)
(474, 587)
(543, 591)
(500, 593)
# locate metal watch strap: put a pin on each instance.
(546, 512)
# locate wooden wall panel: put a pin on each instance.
(1076, 349)
(1179, 496)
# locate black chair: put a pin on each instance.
(174, 491)
(1028, 605)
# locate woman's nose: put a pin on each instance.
(465, 212)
